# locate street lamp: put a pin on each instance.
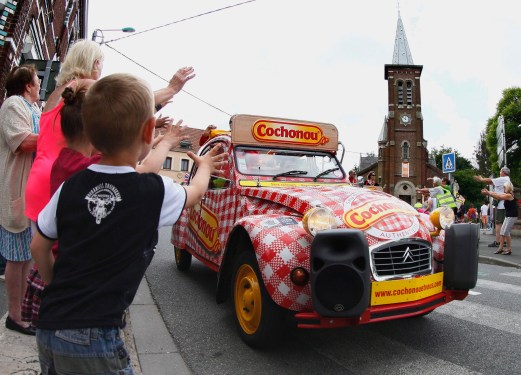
(99, 32)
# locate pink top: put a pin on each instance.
(50, 143)
(69, 162)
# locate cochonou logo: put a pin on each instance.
(380, 216)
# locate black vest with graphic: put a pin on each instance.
(107, 230)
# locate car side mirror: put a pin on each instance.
(219, 183)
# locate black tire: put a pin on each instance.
(259, 326)
(183, 259)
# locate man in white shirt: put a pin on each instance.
(499, 212)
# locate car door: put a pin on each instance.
(211, 220)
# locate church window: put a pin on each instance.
(405, 150)
(400, 92)
(409, 93)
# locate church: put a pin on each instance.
(402, 163)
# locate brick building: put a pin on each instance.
(38, 29)
(402, 163)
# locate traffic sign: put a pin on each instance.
(501, 145)
(448, 163)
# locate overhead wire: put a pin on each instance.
(165, 25)
(158, 76)
(182, 20)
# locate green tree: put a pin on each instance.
(482, 155)
(510, 107)
(468, 187)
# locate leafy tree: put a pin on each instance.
(510, 107)
(482, 155)
(468, 187)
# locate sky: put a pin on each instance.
(320, 60)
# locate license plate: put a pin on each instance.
(396, 291)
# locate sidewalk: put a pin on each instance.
(151, 348)
(147, 339)
(486, 254)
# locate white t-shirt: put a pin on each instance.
(484, 210)
(499, 187)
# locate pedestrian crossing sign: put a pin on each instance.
(448, 162)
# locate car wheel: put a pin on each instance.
(183, 259)
(257, 317)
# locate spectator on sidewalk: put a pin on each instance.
(499, 212)
(77, 156)
(461, 214)
(472, 214)
(511, 214)
(83, 64)
(484, 215)
(116, 213)
(20, 121)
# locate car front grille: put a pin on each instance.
(401, 258)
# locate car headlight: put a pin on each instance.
(442, 217)
(318, 219)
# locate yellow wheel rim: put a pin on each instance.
(248, 304)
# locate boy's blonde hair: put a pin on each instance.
(114, 111)
(79, 61)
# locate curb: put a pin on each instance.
(154, 346)
(498, 262)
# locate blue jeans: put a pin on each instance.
(82, 351)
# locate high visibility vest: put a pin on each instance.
(445, 199)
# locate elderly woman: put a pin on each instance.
(511, 214)
(19, 119)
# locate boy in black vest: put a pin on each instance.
(106, 219)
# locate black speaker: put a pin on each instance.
(460, 266)
(340, 273)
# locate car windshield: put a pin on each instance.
(279, 163)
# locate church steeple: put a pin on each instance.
(402, 155)
(402, 53)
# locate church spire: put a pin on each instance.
(402, 53)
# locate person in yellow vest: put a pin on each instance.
(447, 197)
(442, 194)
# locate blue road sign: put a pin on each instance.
(448, 163)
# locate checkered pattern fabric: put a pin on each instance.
(280, 249)
(273, 219)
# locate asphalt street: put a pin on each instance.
(176, 328)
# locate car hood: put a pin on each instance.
(381, 216)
